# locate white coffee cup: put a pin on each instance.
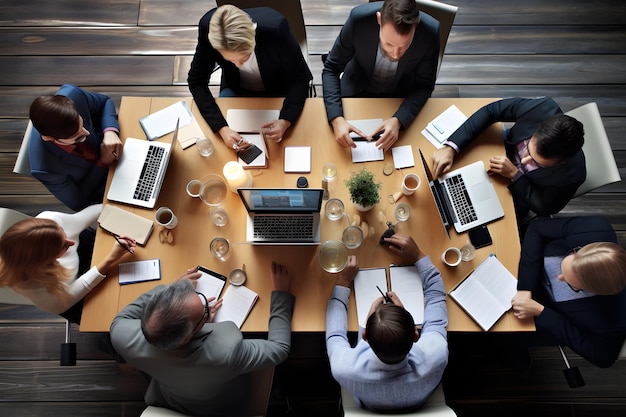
(410, 183)
(193, 188)
(165, 217)
(451, 256)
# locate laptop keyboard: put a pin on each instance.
(148, 177)
(460, 199)
(283, 227)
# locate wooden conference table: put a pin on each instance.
(311, 285)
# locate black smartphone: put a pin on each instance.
(250, 153)
(480, 236)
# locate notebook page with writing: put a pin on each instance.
(365, 291)
(486, 293)
(139, 271)
(237, 304)
(407, 284)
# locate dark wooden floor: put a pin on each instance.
(572, 50)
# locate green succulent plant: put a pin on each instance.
(363, 188)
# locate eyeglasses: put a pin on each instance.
(75, 141)
(572, 252)
(207, 311)
(527, 150)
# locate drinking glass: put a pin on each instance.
(334, 209)
(352, 237)
(333, 256)
(204, 146)
(220, 248)
(402, 212)
(468, 251)
(219, 217)
(214, 190)
(329, 172)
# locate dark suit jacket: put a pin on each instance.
(74, 181)
(283, 69)
(593, 327)
(545, 190)
(354, 54)
(208, 375)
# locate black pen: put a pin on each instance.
(385, 296)
(378, 134)
(375, 136)
(117, 239)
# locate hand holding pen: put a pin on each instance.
(128, 243)
(385, 296)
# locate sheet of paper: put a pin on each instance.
(367, 126)
(297, 159)
(261, 160)
(403, 156)
(444, 125)
(139, 271)
(407, 284)
(365, 291)
(237, 304)
(366, 152)
(162, 122)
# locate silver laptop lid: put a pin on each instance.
(248, 120)
(281, 200)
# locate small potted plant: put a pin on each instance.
(363, 189)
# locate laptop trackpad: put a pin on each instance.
(481, 192)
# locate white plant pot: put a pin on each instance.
(362, 208)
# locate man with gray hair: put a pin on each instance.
(198, 367)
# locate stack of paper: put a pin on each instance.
(444, 125)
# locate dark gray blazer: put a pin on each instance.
(354, 55)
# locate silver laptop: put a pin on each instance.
(464, 197)
(249, 120)
(140, 171)
(282, 215)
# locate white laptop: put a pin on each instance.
(282, 215)
(465, 197)
(140, 171)
(249, 120)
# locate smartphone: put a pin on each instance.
(480, 236)
(250, 153)
(210, 283)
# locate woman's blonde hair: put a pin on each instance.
(601, 267)
(28, 256)
(231, 29)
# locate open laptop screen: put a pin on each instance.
(282, 200)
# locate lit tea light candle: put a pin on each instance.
(236, 176)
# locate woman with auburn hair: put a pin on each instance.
(40, 261)
(572, 276)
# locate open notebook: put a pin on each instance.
(403, 280)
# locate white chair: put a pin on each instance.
(22, 163)
(435, 406)
(600, 162)
(445, 14)
(261, 383)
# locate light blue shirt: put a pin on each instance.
(375, 384)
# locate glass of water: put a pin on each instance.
(213, 191)
(219, 217)
(329, 172)
(402, 212)
(334, 209)
(333, 256)
(204, 146)
(220, 248)
(468, 252)
(352, 237)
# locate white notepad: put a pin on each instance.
(404, 281)
(237, 304)
(297, 159)
(444, 125)
(486, 293)
(139, 271)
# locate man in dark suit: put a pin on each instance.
(199, 367)
(385, 49)
(259, 57)
(74, 140)
(572, 275)
(544, 159)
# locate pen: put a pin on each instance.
(377, 135)
(385, 296)
(117, 239)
